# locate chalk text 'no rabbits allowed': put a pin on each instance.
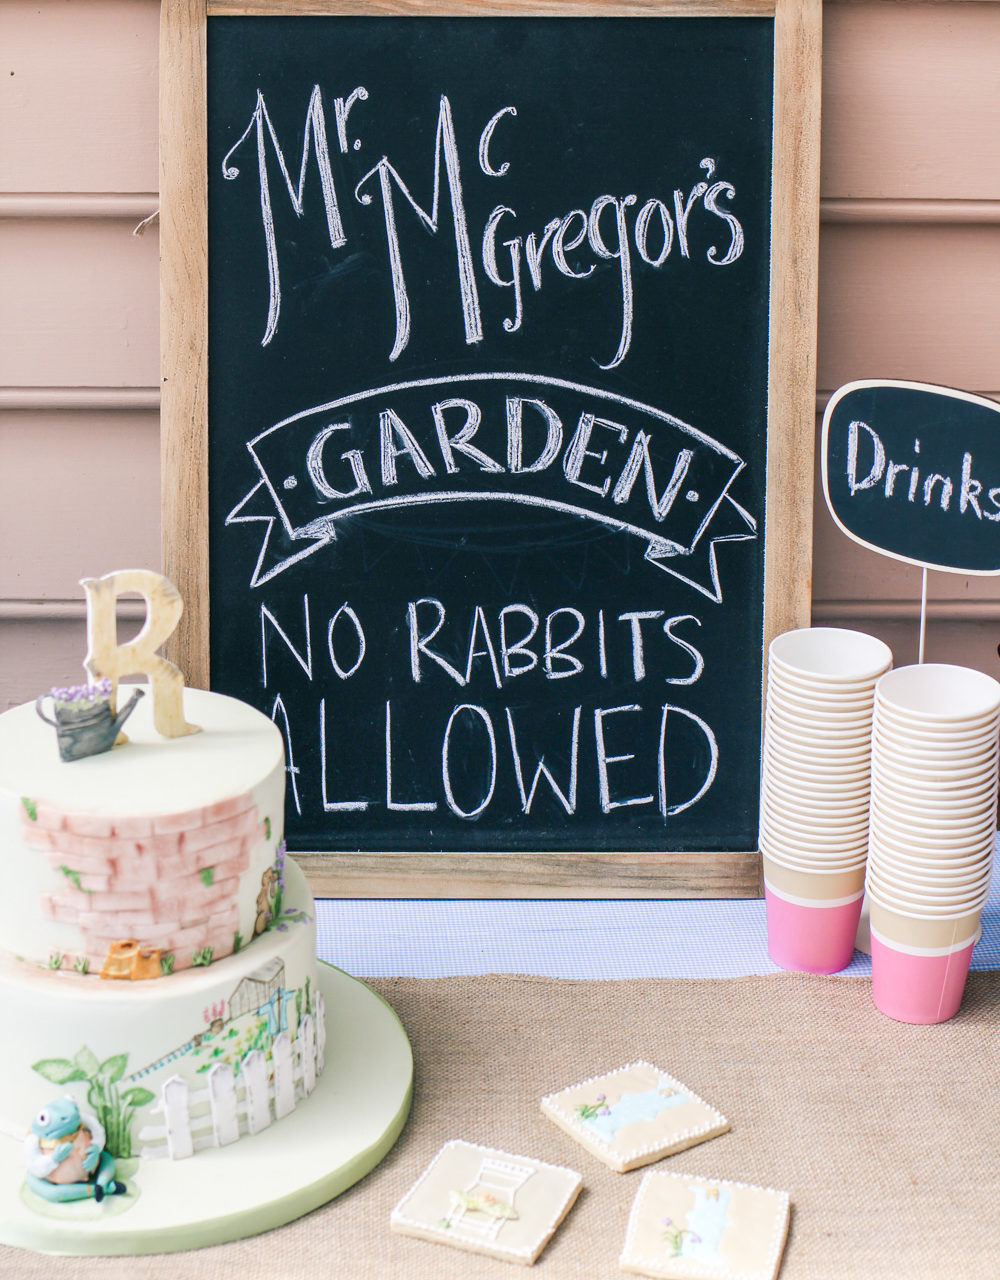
(633, 746)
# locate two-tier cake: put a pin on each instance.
(159, 986)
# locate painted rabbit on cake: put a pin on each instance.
(65, 1155)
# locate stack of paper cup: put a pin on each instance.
(815, 791)
(933, 822)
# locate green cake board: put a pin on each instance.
(330, 1141)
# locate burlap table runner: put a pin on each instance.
(886, 1136)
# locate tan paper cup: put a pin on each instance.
(921, 898)
(924, 895)
(942, 836)
(820, 833)
(949, 752)
(938, 693)
(976, 781)
(802, 845)
(804, 702)
(833, 817)
(975, 796)
(899, 901)
(934, 818)
(934, 776)
(932, 736)
(815, 886)
(944, 763)
(842, 775)
(917, 931)
(793, 786)
(853, 772)
(956, 749)
(925, 760)
(806, 858)
(807, 853)
(937, 867)
(951, 864)
(859, 689)
(941, 871)
(930, 802)
(831, 654)
(956, 840)
(817, 746)
(843, 722)
(814, 833)
(938, 819)
(934, 730)
(806, 862)
(781, 689)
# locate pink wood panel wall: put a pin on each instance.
(909, 287)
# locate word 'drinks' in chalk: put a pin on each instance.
(913, 471)
(916, 487)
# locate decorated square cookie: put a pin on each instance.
(486, 1201)
(633, 1116)
(684, 1227)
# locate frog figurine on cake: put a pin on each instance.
(65, 1155)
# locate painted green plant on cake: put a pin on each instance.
(114, 1108)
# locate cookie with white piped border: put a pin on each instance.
(633, 1116)
(486, 1201)
(684, 1227)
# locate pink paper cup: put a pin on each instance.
(809, 936)
(909, 985)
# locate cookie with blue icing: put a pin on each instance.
(633, 1116)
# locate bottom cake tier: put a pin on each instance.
(173, 1066)
(326, 1144)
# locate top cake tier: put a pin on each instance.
(157, 855)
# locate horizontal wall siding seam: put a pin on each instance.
(78, 204)
(882, 610)
(834, 210)
(16, 610)
(894, 211)
(15, 399)
(13, 609)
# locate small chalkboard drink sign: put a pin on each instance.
(488, 401)
(912, 471)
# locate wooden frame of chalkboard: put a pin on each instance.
(632, 847)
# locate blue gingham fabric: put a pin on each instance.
(423, 938)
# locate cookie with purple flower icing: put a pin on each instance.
(633, 1116)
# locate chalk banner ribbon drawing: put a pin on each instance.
(496, 438)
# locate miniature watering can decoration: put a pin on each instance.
(84, 724)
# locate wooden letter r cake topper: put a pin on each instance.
(106, 657)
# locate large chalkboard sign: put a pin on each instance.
(505, 420)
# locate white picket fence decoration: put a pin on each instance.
(232, 1103)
